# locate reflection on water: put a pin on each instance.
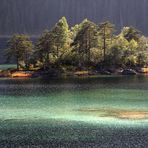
(117, 113)
(115, 99)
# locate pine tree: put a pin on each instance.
(86, 38)
(106, 30)
(44, 47)
(60, 36)
(130, 33)
(20, 48)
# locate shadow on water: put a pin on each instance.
(24, 86)
(28, 105)
(69, 135)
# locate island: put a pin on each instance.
(82, 50)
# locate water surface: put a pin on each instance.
(105, 111)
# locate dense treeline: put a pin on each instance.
(84, 46)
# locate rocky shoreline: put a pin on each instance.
(39, 73)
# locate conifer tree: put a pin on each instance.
(19, 47)
(106, 30)
(86, 38)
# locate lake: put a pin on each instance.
(97, 112)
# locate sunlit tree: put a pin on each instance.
(85, 39)
(106, 31)
(60, 36)
(131, 33)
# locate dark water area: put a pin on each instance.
(69, 135)
(74, 112)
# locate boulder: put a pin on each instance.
(129, 72)
(105, 72)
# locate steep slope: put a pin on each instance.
(32, 16)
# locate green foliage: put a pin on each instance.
(115, 56)
(83, 46)
(52, 44)
(60, 36)
(142, 59)
(43, 48)
(20, 47)
(85, 40)
(130, 33)
(106, 30)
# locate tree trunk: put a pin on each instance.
(17, 62)
(26, 62)
(57, 51)
(46, 61)
(104, 44)
(89, 47)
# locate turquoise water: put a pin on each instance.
(7, 66)
(49, 111)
